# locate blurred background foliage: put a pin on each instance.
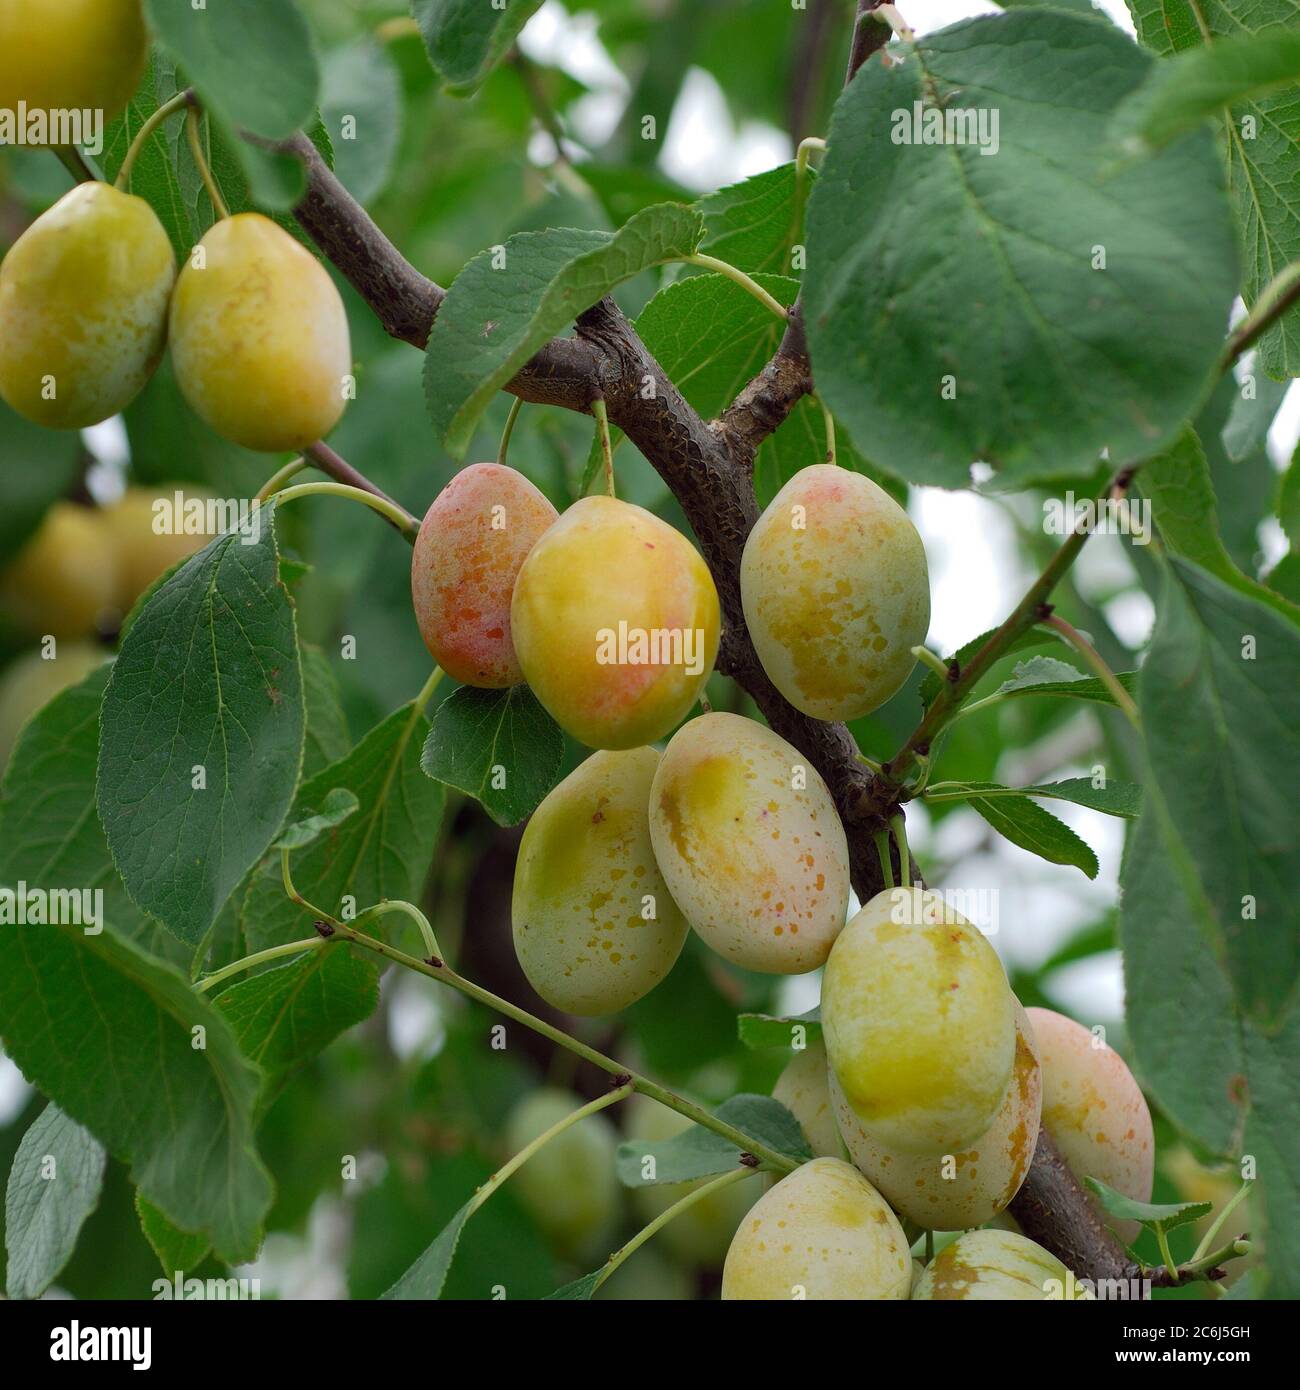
(418, 1096)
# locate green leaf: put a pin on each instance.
(1263, 162)
(54, 1186)
(252, 61)
(207, 685)
(932, 266)
(1027, 824)
(286, 1015)
(498, 746)
(1207, 910)
(1154, 1216)
(1044, 675)
(338, 805)
(42, 467)
(363, 90)
(177, 1250)
(50, 837)
(580, 1290)
(751, 224)
(169, 1093)
(1182, 497)
(700, 1153)
(494, 319)
(465, 39)
(767, 1030)
(931, 684)
(1113, 799)
(710, 337)
(1288, 502)
(382, 851)
(328, 738)
(153, 175)
(1192, 86)
(426, 1277)
(1223, 737)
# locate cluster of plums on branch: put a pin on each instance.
(923, 1104)
(89, 294)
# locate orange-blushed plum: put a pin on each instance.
(997, 1266)
(34, 679)
(919, 1023)
(1095, 1111)
(750, 844)
(616, 623)
(701, 1235)
(473, 540)
(954, 1192)
(151, 535)
(64, 581)
(259, 337)
(83, 307)
(803, 1088)
(823, 1232)
(65, 55)
(836, 592)
(595, 927)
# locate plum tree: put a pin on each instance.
(474, 538)
(836, 592)
(919, 1023)
(83, 307)
(33, 680)
(64, 582)
(750, 844)
(996, 1266)
(143, 551)
(804, 1089)
(702, 1233)
(953, 1192)
(1095, 1111)
(569, 1185)
(823, 1232)
(73, 55)
(616, 622)
(259, 337)
(595, 927)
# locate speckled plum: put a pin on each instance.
(836, 592)
(616, 623)
(595, 927)
(1095, 1111)
(987, 1266)
(259, 337)
(954, 1192)
(823, 1232)
(919, 1023)
(83, 307)
(474, 538)
(750, 844)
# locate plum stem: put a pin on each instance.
(515, 407)
(1090, 654)
(746, 283)
(388, 510)
(193, 134)
(156, 118)
(513, 1165)
(606, 447)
